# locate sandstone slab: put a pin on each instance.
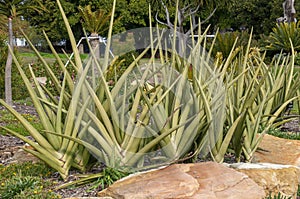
(90, 198)
(207, 180)
(278, 151)
(273, 178)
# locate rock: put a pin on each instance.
(90, 198)
(170, 182)
(42, 80)
(21, 156)
(278, 151)
(273, 178)
(207, 180)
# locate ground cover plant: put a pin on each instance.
(27, 180)
(183, 108)
(285, 134)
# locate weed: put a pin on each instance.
(25, 169)
(26, 180)
(110, 175)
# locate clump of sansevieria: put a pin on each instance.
(56, 113)
(156, 113)
(150, 117)
(257, 95)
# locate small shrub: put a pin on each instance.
(120, 65)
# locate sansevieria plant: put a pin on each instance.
(257, 97)
(56, 113)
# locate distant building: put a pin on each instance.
(20, 42)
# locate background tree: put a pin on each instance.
(12, 9)
(187, 10)
(259, 14)
(52, 23)
(18, 89)
(133, 14)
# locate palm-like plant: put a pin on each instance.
(280, 36)
(11, 9)
(95, 23)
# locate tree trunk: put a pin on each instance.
(96, 48)
(8, 88)
(95, 45)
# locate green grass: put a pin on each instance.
(44, 55)
(30, 57)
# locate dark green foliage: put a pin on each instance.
(260, 15)
(110, 175)
(225, 42)
(51, 21)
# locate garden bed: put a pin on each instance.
(9, 146)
